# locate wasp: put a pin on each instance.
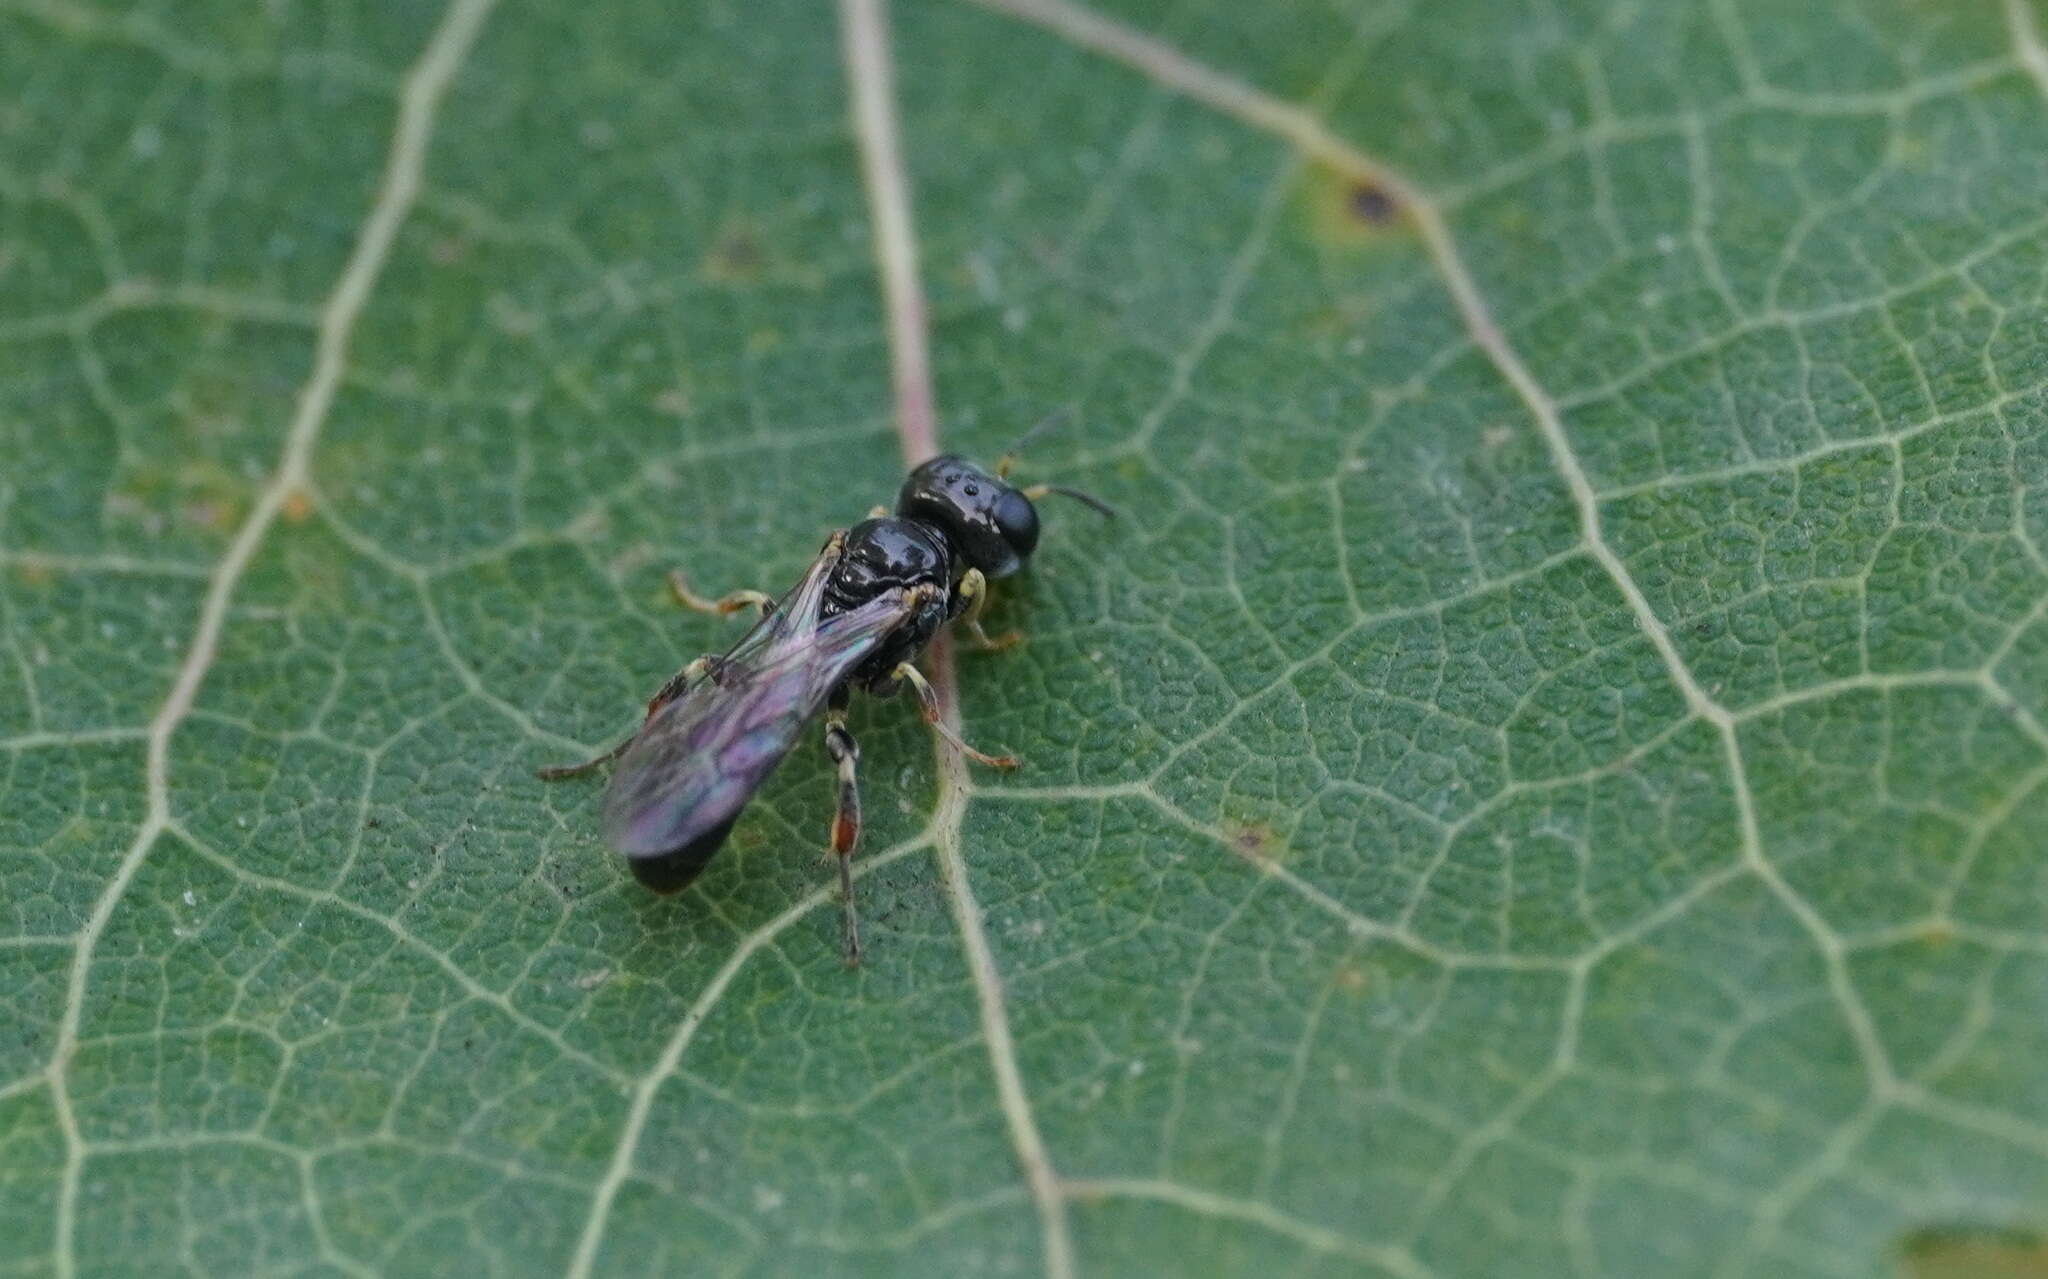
(865, 610)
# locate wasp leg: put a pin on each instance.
(845, 753)
(974, 589)
(724, 605)
(668, 692)
(928, 707)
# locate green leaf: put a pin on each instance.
(1548, 776)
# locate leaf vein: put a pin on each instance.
(405, 165)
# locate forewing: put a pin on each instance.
(796, 615)
(698, 759)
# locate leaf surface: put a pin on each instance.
(1546, 778)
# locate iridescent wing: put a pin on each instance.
(699, 758)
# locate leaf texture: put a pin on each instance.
(1547, 778)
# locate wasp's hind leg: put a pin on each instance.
(974, 589)
(928, 707)
(667, 693)
(732, 602)
(845, 753)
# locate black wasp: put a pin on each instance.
(863, 612)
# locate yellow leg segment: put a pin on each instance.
(928, 707)
(724, 605)
(974, 589)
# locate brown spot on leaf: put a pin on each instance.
(1973, 1252)
(1352, 979)
(34, 573)
(735, 257)
(1353, 214)
(1256, 842)
(1372, 204)
(298, 508)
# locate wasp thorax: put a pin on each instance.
(992, 525)
(886, 555)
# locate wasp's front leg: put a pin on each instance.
(973, 589)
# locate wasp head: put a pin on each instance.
(989, 521)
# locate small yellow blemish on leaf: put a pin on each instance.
(1343, 318)
(1348, 212)
(1973, 1252)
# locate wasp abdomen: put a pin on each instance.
(673, 871)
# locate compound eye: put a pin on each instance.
(1017, 521)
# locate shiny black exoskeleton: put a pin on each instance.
(992, 525)
(872, 601)
(951, 516)
(883, 554)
